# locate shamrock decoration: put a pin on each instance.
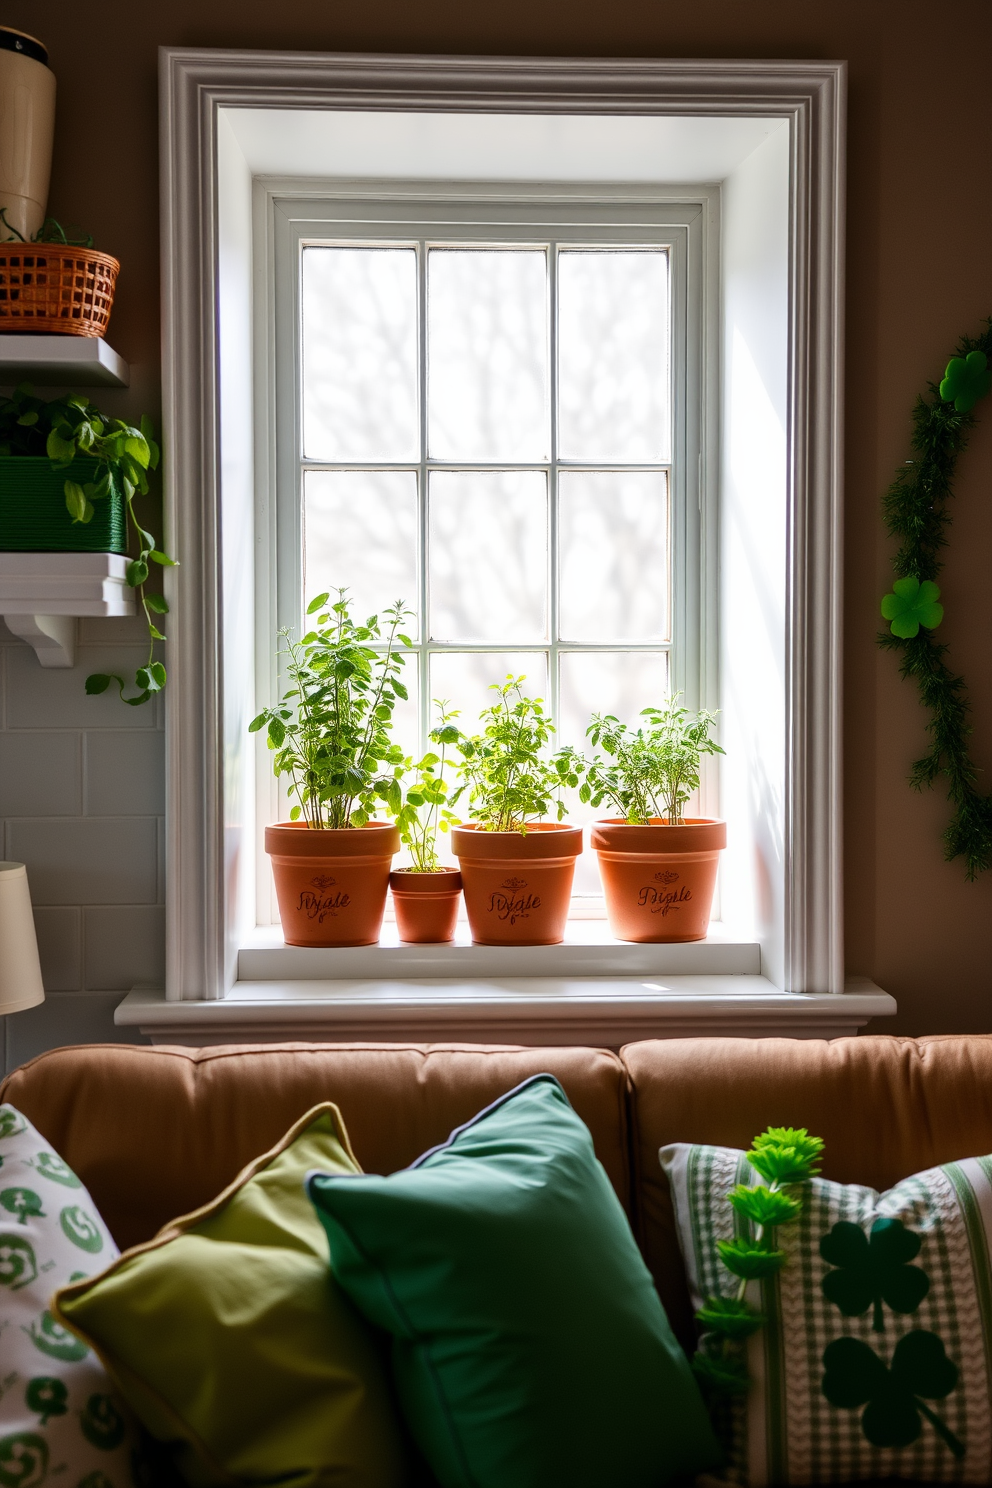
(966, 380)
(856, 1376)
(912, 604)
(873, 1270)
(47, 1396)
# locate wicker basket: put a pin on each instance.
(54, 288)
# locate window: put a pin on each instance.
(488, 420)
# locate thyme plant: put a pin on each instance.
(330, 733)
(425, 810)
(509, 777)
(653, 770)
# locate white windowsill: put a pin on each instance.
(494, 1009)
(588, 950)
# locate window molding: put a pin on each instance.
(203, 821)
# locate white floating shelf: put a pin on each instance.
(61, 361)
(42, 593)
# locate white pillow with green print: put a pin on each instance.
(59, 1416)
(874, 1359)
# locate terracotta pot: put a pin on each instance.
(331, 885)
(659, 879)
(426, 904)
(517, 884)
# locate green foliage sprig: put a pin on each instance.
(63, 428)
(784, 1156)
(425, 810)
(506, 772)
(649, 771)
(330, 733)
(50, 231)
(917, 514)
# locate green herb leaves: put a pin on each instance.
(872, 1270)
(506, 772)
(424, 811)
(855, 1376)
(653, 770)
(330, 734)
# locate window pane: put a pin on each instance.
(487, 351)
(617, 682)
(613, 556)
(488, 555)
(360, 354)
(360, 533)
(613, 356)
(463, 679)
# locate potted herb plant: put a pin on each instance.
(68, 478)
(426, 894)
(331, 736)
(517, 868)
(658, 866)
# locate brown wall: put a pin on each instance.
(919, 259)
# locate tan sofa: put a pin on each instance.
(156, 1132)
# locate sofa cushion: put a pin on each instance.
(529, 1346)
(206, 1113)
(886, 1107)
(231, 1343)
(872, 1357)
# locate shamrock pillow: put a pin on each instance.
(873, 1357)
(58, 1412)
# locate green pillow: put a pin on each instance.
(228, 1336)
(530, 1349)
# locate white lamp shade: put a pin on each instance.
(20, 969)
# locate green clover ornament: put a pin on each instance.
(855, 1376)
(18, 1266)
(23, 1202)
(23, 1460)
(966, 379)
(47, 1397)
(102, 1423)
(49, 1166)
(912, 604)
(872, 1270)
(54, 1340)
(81, 1229)
(12, 1123)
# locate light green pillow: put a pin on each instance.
(228, 1335)
(530, 1349)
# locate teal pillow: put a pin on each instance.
(530, 1349)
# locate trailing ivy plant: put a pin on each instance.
(64, 428)
(916, 510)
(425, 810)
(508, 775)
(785, 1157)
(331, 732)
(650, 771)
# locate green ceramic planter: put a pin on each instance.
(33, 518)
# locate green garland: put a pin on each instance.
(916, 513)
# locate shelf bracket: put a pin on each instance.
(52, 638)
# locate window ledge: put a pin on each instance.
(588, 950)
(528, 1010)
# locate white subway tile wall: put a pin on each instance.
(82, 783)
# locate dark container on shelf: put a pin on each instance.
(33, 516)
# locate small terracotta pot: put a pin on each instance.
(331, 884)
(517, 884)
(426, 904)
(659, 879)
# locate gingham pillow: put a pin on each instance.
(875, 1358)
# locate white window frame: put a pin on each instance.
(287, 221)
(211, 664)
